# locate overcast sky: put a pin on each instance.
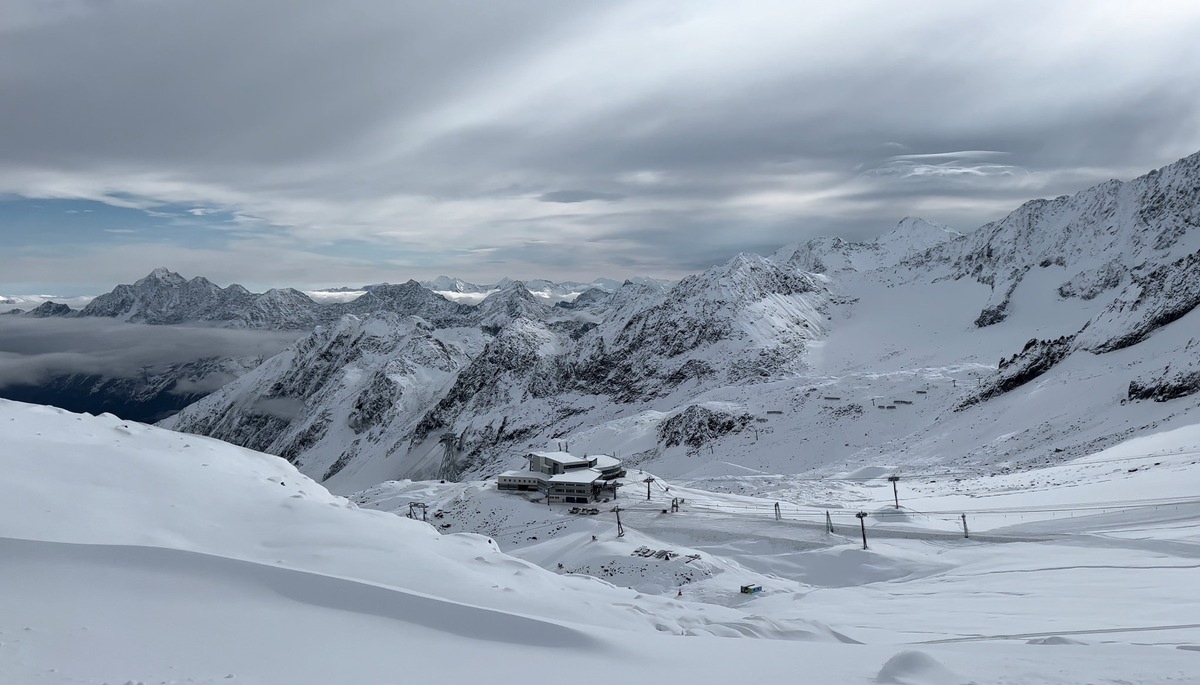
(312, 143)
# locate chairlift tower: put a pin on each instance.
(412, 510)
(895, 493)
(451, 445)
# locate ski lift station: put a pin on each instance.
(564, 477)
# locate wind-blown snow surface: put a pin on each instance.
(132, 554)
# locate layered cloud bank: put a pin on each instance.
(554, 140)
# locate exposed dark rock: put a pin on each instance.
(1035, 359)
(373, 406)
(1164, 295)
(48, 309)
(1166, 386)
(696, 426)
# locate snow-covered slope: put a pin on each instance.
(1103, 237)
(530, 371)
(132, 554)
(910, 238)
(189, 540)
(408, 299)
(347, 389)
(139, 486)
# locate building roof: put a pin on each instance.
(603, 461)
(577, 476)
(564, 458)
(524, 474)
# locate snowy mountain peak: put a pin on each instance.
(744, 279)
(512, 301)
(165, 297)
(910, 237)
(410, 299)
(161, 275)
(452, 285)
(918, 232)
(50, 308)
(388, 292)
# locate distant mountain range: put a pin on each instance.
(1066, 326)
(164, 297)
(1060, 318)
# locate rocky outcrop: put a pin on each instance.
(1154, 299)
(698, 425)
(48, 309)
(1168, 386)
(1035, 359)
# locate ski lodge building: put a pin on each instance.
(565, 477)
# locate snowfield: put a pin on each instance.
(131, 554)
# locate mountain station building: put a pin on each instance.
(564, 477)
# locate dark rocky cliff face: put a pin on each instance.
(697, 426)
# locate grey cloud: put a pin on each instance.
(905, 168)
(32, 350)
(426, 124)
(210, 383)
(279, 407)
(280, 72)
(571, 196)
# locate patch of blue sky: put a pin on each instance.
(59, 225)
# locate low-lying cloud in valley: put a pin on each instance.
(34, 350)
